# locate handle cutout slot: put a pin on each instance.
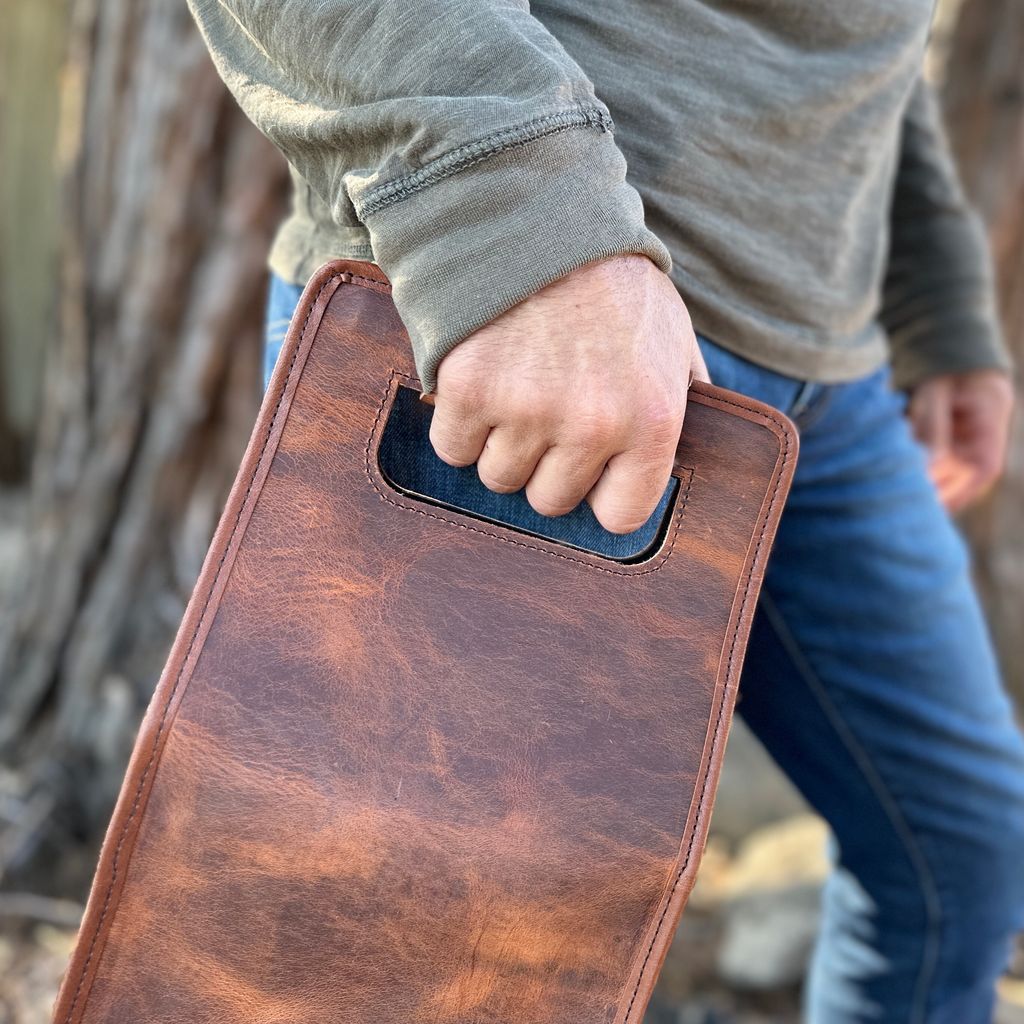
(409, 465)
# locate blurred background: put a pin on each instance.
(136, 208)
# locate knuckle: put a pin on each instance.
(528, 421)
(447, 446)
(663, 416)
(532, 424)
(596, 430)
(460, 390)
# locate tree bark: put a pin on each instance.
(30, 53)
(169, 199)
(984, 104)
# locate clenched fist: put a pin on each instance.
(964, 421)
(578, 392)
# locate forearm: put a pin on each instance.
(461, 134)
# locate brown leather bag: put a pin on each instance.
(408, 766)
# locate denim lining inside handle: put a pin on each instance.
(408, 463)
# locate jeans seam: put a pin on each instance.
(871, 775)
(803, 401)
(814, 409)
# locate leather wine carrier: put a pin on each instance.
(406, 764)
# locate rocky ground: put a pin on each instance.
(11, 512)
(31, 963)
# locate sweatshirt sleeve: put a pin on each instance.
(458, 132)
(938, 303)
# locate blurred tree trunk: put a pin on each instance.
(12, 443)
(168, 200)
(984, 103)
(30, 52)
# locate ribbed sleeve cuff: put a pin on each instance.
(962, 341)
(468, 243)
(939, 303)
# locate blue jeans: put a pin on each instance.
(870, 678)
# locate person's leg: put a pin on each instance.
(870, 678)
(282, 298)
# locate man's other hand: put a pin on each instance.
(963, 420)
(578, 392)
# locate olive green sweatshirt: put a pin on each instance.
(782, 159)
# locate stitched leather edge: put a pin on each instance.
(337, 274)
(109, 907)
(768, 517)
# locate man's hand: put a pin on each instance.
(964, 421)
(577, 392)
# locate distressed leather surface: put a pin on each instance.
(404, 766)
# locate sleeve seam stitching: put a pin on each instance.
(464, 156)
